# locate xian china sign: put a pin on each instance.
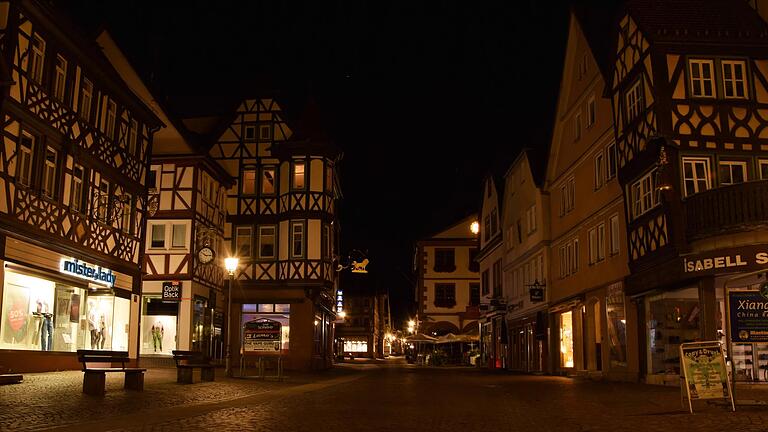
(749, 316)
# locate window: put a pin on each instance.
(474, 266)
(732, 172)
(328, 178)
(298, 175)
(445, 260)
(567, 196)
(265, 132)
(243, 241)
(158, 236)
(763, 166)
(179, 236)
(569, 257)
(249, 181)
(702, 78)
(125, 223)
(530, 216)
(445, 295)
(474, 294)
(133, 135)
(485, 280)
(297, 239)
(103, 201)
(153, 177)
(250, 132)
(592, 245)
(643, 196)
(634, 100)
(497, 278)
(487, 224)
(577, 126)
(695, 174)
(601, 242)
(109, 121)
(614, 222)
(37, 58)
(76, 198)
(86, 99)
(734, 81)
(611, 156)
(268, 180)
(266, 242)
(327, 242)
(60, 78)
(494, 221)
(599, 170)
(49, 173)
(26, 150)
(591, 113)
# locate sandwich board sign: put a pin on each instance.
(704, 375)
(262, 336)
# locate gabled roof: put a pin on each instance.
(600, 25)
(457, 230)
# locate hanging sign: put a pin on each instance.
(262, 336)
(704, 372)
(172, 291)
(83, 270)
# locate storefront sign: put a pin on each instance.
(726, 260)
(537, 295)
(748, 316)
(704, 372)
(172, 291)
(262, 336)
(95, 274)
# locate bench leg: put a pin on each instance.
(94, 383)
(184, 375)
(134, 381)
(208, 374)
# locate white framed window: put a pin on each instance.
(593, 245)
(60, 78)
(37, 58)
(734, 79)
(50, 172)
(109, 119)
(569, 257)
(268, 181)
(577, 126)
(599, 170)
(530, 218)
(644, 197)
(250, 132)
(591, 111)
(601, 242)
(158, 236)
(267, 241)
(634, 100)
(702, 77)
(614, 223)
(76, 198)
(571, 193)
(125, 223)
(265, 132)
(86, 99)
(611, 160)
(133, 136)
(732, 172)
(297, 175)
(567, 196)
(178, 236)
(249, 181)
(243, 237)
(762, 165)
(26, 151)
(695, 175)
(297, 239)
(103, 201)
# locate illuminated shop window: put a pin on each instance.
(566, 339)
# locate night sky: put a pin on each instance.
(423, 97)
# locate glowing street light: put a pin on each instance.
(342, 314)
(474, 227)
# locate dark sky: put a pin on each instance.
(423, 97)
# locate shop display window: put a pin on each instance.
(672, 318)
(355, 346)
(617, 327)
(566, 339)
(158, 326)
(277, 312)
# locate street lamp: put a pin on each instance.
(231, 265)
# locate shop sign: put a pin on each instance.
(732, 259)
(748, 316)
(172, 291)
(704, 372)
(262, 336)
(83, 270)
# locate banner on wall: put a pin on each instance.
(262, 336)
(704, 374)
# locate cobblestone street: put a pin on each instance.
(381, 397)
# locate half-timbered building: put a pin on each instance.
(74, 156)
(689, 88)
(281, 219)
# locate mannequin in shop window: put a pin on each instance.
(102, 331)
(157, 336)
(92, 327)
(45, 326)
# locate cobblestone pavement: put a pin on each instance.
(366, 397)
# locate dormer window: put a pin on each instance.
(702, 78)
(250, 133)
(60, 79)
(109, 121)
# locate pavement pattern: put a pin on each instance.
(368, 397)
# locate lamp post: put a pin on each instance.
(231, 265)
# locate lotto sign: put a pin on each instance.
(262, 336)
(172, 291)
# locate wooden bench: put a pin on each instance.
(97, 363)
(188, 361)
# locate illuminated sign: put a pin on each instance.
(339, 301)
(83, 270)
(172, 291)
(741, 259)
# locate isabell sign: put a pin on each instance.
(95, 274)
(712, 264)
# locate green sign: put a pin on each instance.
(704, 372)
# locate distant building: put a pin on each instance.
(361, 334)
(448, 284)
(73, 168)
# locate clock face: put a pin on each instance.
(205, 255)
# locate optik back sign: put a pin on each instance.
(749, 316)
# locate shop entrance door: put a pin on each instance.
(202, 325)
